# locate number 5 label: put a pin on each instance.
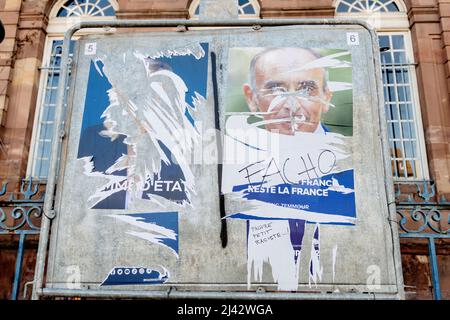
(353, 38)
(90, 49)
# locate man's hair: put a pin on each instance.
(253, 62)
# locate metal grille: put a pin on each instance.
(20, 215)
(46, 120)
(424, 215)
(86, 8)
(400, 107)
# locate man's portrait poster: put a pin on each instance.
(288, 152)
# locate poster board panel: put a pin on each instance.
(139, 199)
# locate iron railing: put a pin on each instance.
(20, 213)
(422, 215)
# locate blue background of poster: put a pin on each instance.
(105, 152)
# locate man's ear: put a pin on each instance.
(249, 97)
(328, 97)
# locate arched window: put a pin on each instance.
(86, 8)
(62, 16)
(381, 14)
(369, 6)
(248, 9)
(66, 13)
(402, 109)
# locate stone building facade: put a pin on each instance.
(415, 31)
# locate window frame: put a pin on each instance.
(57, 6)
(40, 101)
(423, 173)
(384, 21)
(59, 25)
(95, 3)
(56, 30)
(399, 4)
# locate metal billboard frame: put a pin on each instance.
(59, 132)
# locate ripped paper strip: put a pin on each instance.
(160, 228)
(120, 276)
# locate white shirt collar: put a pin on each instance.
(319, 129)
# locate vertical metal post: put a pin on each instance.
(49, 213)
(18, 271)
(434, 269)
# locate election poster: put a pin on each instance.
(130, 136)
(135, 147)
(288, 153)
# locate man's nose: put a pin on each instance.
(293, 103)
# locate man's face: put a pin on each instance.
(294, 98)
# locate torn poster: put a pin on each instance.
(288, 153)
(135, 275)
(137, 142)
(160, 228)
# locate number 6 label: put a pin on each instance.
(90, 49)
(353, 38)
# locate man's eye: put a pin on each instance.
(277, 89)
(309, 88)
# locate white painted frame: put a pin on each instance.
(397, 23)
(421, 149)
(386, 21)
(55, 31)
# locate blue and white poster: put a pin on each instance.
(288, 153)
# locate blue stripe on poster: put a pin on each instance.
(135, 275)
(332, 194)
(116, 201)
(168, 220)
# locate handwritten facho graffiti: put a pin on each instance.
(288, 153)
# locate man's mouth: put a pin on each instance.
(294, 121)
